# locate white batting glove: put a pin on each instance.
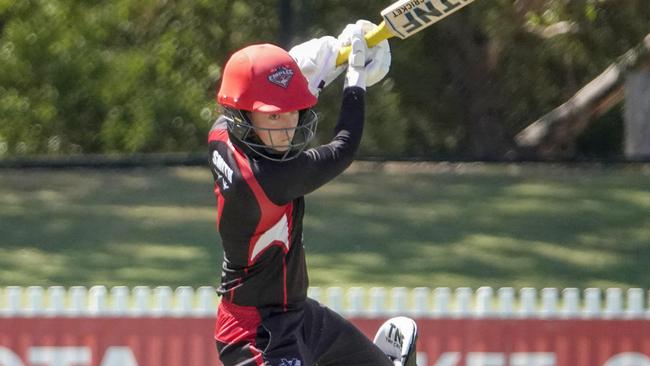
(378, 58)
(357, 70)
(316, 59)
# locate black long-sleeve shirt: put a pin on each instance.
(260, 208)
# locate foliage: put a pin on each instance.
(140, 76)
(119, 76)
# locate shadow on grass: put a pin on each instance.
(152, 227)
(156, 227)
(446, 230)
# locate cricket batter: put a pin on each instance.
(262, 169)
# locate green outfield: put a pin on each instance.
(388, 225)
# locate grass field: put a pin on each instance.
(388, 225)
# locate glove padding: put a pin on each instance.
(357, 73)
(378, 58)
(316, 59)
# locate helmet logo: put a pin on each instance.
(281, 76)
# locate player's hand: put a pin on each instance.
(378, 58)
(357, 70)
(317, 61)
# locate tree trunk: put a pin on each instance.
(637, 115)
(472, 71)
(553, 135)
(285, 12)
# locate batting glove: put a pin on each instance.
(317, 61)
(357, 69)
(378, 58)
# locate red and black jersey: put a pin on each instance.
(260, 209)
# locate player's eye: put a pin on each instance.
(274, 117)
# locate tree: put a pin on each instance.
(637, 114)
(554, 135)
(119, 76)
(140, 76)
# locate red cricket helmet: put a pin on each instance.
(264, 78)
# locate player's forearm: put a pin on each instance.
(349, 129)
(321, 164)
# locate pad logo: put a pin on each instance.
(291, 362)
(395, 337)
(281, 76)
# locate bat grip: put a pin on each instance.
(373, 38)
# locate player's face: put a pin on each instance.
(275, 129)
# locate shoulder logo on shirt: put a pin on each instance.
(223, 170)
(290, 362)
(281, 76)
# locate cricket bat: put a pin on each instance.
(405, 18)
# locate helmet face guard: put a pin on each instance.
(242, 129)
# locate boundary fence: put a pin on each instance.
(161, 326)
(462, 302)
(143, 160)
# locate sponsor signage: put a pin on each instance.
(180, 341)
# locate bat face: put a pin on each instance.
(407, 17)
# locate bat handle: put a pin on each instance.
(373, 38)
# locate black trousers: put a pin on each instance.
(310, 335)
